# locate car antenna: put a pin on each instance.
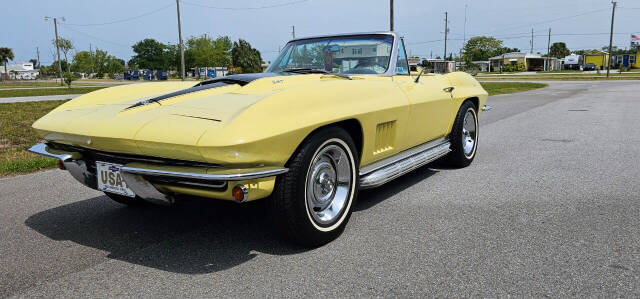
(419, 75)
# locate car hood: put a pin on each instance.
(138, 118)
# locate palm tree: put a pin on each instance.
(6, 54)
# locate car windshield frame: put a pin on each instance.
(391, 66)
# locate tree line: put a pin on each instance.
(201, 51)
(481, 48)
(151, 54)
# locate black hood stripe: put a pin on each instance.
(241, 79)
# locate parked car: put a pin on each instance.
(304, 136)
(589, 67)
(148, 75)
(162, 75)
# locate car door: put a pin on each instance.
(430, 101)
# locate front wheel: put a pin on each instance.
(312, 203)
(464, 136)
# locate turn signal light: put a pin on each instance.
(61, 165)
(240, 193)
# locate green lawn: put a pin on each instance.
(559, 72)
(46, 91)
(562, 76)
(558, 78)
(16, 136)
(30, 83)
(495, 88)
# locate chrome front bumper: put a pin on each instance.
(140, 178)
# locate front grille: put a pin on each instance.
(119, 158)
(91, 156)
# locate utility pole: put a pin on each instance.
(547, 66)
(531, 40)
(464, 31)
(391, 15)
(613, 16)
(92, 58)
(181, 44)
(293, 31)
(446, 32)
(55, 26)
(38, 54)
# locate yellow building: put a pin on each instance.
(627, 60)
(599, 58)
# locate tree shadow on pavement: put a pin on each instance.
(194, 236)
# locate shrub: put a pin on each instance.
(518, 67)
(70, 77)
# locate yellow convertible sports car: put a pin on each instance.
(331, 115)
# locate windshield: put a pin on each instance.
(367, 54)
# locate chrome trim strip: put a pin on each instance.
(43, 150)
(400, 156)
(72, 162)
(202, 176)
(404, 165)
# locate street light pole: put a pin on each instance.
(613, 16)
(181, 43)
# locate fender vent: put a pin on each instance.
(385, 137)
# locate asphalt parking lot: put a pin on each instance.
(550, 207)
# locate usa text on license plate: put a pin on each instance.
(110, 179)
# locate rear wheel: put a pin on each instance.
(464, 136)
(125, 200)
(312, 203)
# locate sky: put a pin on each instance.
(115, 25)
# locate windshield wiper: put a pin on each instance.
(339, 75)
(305, 71)
(315, 71)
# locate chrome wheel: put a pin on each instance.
(329, 183)
(469, 133)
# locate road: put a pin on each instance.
(39, 98)
(550, 207)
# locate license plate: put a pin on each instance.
(110, 179)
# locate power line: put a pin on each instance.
(427, 42)
(245, 8)
(95, 37)
(549, 21)
(124, 20)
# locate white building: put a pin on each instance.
(20, 71)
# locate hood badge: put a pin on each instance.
(143, 103)
(277, 81)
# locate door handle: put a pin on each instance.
(448, 89)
